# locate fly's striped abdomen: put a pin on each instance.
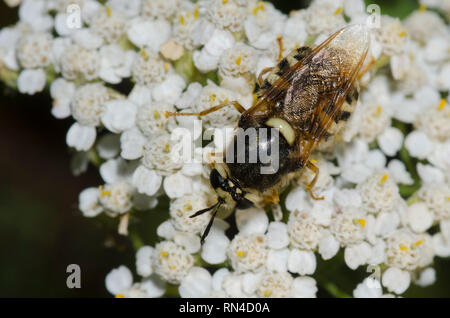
(282, 68)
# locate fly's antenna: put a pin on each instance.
(215, 208)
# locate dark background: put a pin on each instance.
(41, 230)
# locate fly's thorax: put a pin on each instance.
(261, 152)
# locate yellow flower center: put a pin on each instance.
(361, 222)
(384, 178)
(338, 10)
(267, 293)
(260, 7)
(379, 111)
(442, 104)
(144, 54)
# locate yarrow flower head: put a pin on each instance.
(383, 179)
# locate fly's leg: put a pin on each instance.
(309, 187)
(268, 69)
(366, 68)
(280, 45)
(273, 197)
(260, 76)
(236, 105)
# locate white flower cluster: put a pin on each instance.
(386, 179)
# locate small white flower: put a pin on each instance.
(379, 193)
(328, 246)
(214, 250)
(218, 277)
(304, 287)
(386, 223)
(419, 217)
(62, 93)
(436, 197)
(88, 202)
(190, 241)
(88, 103)
(204, 61)
(441, 245)
(117, 197)
(114, 170)
(399, 173)
(166, 230)
(115, 64)
(146, 181)
(34, 50)
(184, 207)
(109, 24)
(396, 280)
(144, 261)
(162, 154)
(152, 33)
(132, 143)
(238, 60)
(406, 250)
(296, 200)
(277, 235)
(130, 8)
(31, 81)
(225, 14)
(196, 284)
(177, 185)
(347, 198)
(301, 262)
(277, 260)
(160, 8)
(119, 115)
(118, 280)
(369, 288)
(79, 63)
(275, 285)
(33, 13)
(247, 252)
(169, 90)
(303, 231)
(153, 286)
(252, 221)
(357, 255)
(348, 227)
(390, 141)
(80, 137)
(418, 144)
(108, 146)
(429, 174)
(172, 262)
(427, 277)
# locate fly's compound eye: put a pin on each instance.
(216, 179)
(243, 204)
